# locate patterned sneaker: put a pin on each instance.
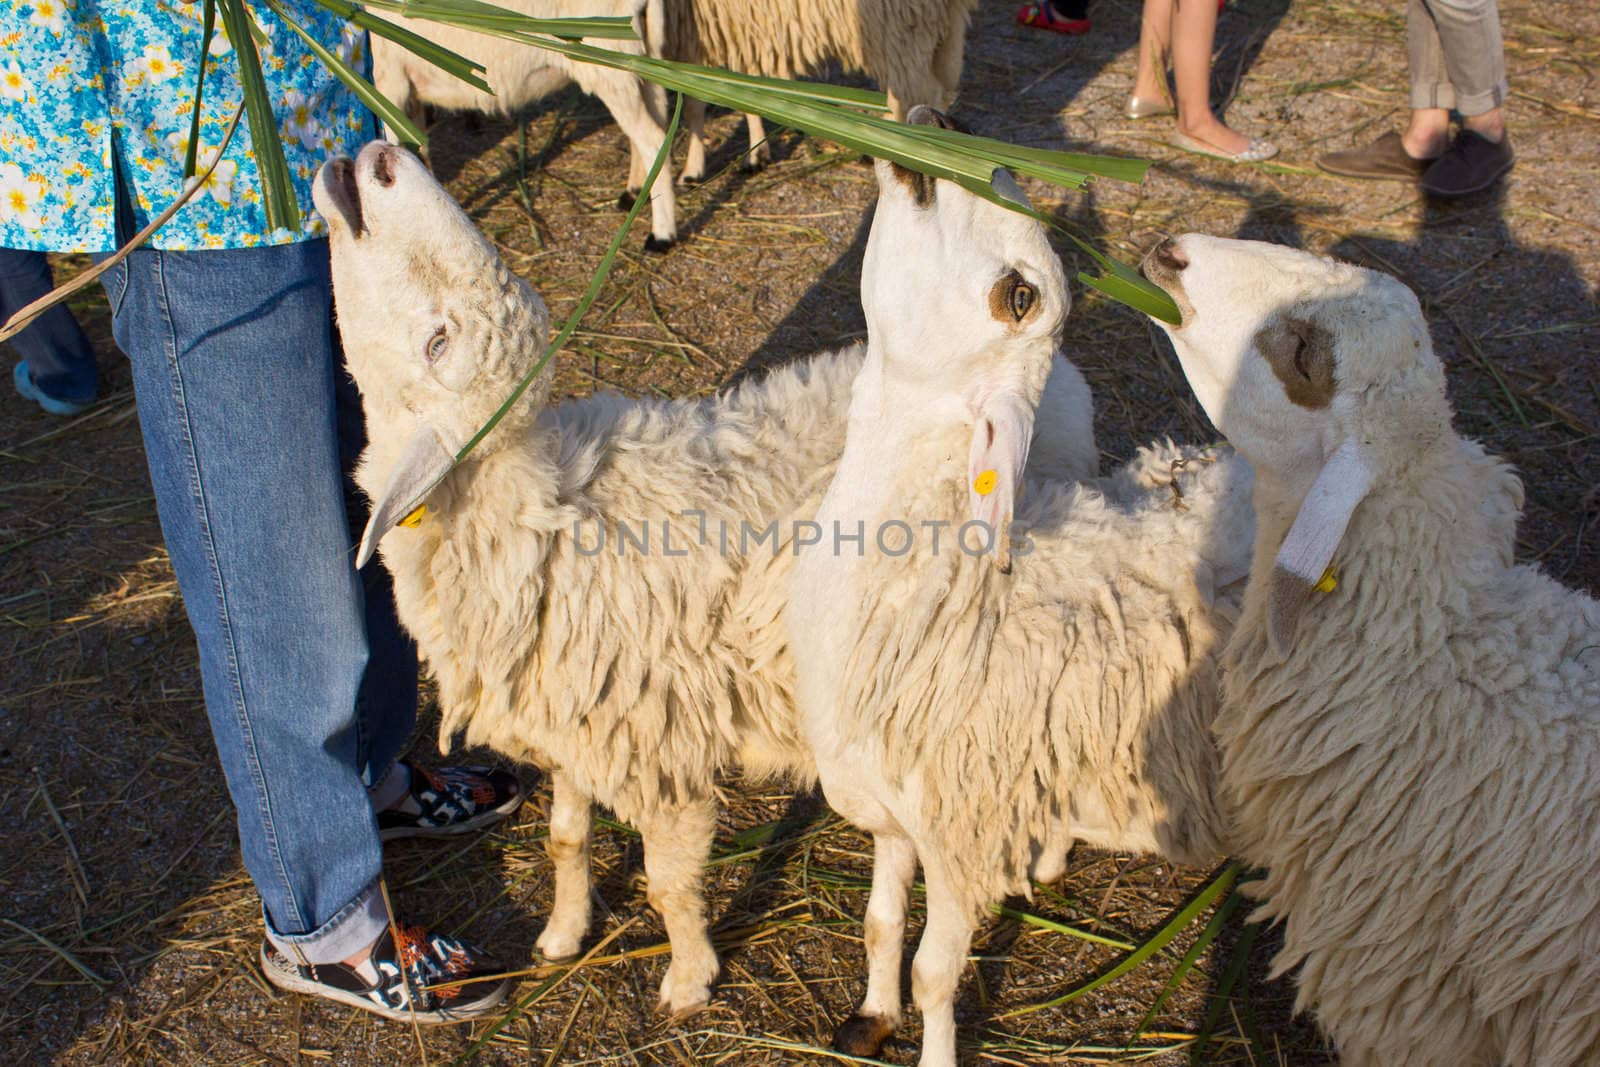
(397, 981)
(450, 800)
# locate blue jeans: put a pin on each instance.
(60, 358)
(310, 684)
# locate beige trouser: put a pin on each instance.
(1457, 60)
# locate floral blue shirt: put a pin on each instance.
(80, 79)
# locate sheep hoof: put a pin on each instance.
(555, 948)
(658, 244)
(689, 181)
(678, 1010)
(862, 1035)
(626, 198)
(753, 166)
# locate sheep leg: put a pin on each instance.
(936, 970)
(694, 166)
(677, 844)
(760, 153)
(568, 849)
(626, 99)
(894, 863)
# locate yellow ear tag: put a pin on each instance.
(1328, 582)
(414, 519)
(983, 484)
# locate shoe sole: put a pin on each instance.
(1392, 176)
(290, 981)
(477, 822)
(23, 380)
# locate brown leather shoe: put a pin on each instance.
(1470, 165)
(1384, 158)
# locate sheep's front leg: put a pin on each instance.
(677, 844)
(760, 153)
(894, 863)
(936, 971)
(568, 849)
(694, 165)
(627, 100)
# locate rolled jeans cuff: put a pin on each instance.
(1443, 95)
(357, 925)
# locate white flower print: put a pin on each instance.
(13, 86)
(300, 123)
(156, 64)
(20, 196)
(219, 186)
(50, 14)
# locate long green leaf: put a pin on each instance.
(961, 158)
(208, 26)
(449, 62)
(1219, 997)
(392, 116)
(1059, 928)
(1157, 942)
(277, 188)
(596, 28)
(1219, 919)
(596, 282)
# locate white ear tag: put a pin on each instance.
(995, 460)
(422, 466)
(1302, 566)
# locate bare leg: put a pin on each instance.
(1194, 28)
(894, 864)
(1155, 46)
(568, 849)
(677, 844)
(936, 971)
(694, 167)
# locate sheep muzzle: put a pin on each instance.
(337, 181)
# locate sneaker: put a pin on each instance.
(22, 378)
(1470, 165)
(450, 800)
(400, 979)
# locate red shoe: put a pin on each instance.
(1041, 16)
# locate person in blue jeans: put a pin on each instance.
(57, 369)
(248, 425)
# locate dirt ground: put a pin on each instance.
(127, 927)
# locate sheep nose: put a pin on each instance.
(383, 166)
(1169, 255)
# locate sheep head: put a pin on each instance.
(1320, 373)
(436, 329)
(964, 303)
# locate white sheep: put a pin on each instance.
(521, 73)
(634, 668)
(1411, 733)
(912, 48)
(971, 712)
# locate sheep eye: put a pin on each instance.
(437, 345)
(1300, 358)
(1022, 298)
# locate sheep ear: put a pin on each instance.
(422, 466)
(1001, 435)
(1312, 539)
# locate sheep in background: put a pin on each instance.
(912, 48)
(968, 711)
(635, 675)
(1411, 734)
(519, 74)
